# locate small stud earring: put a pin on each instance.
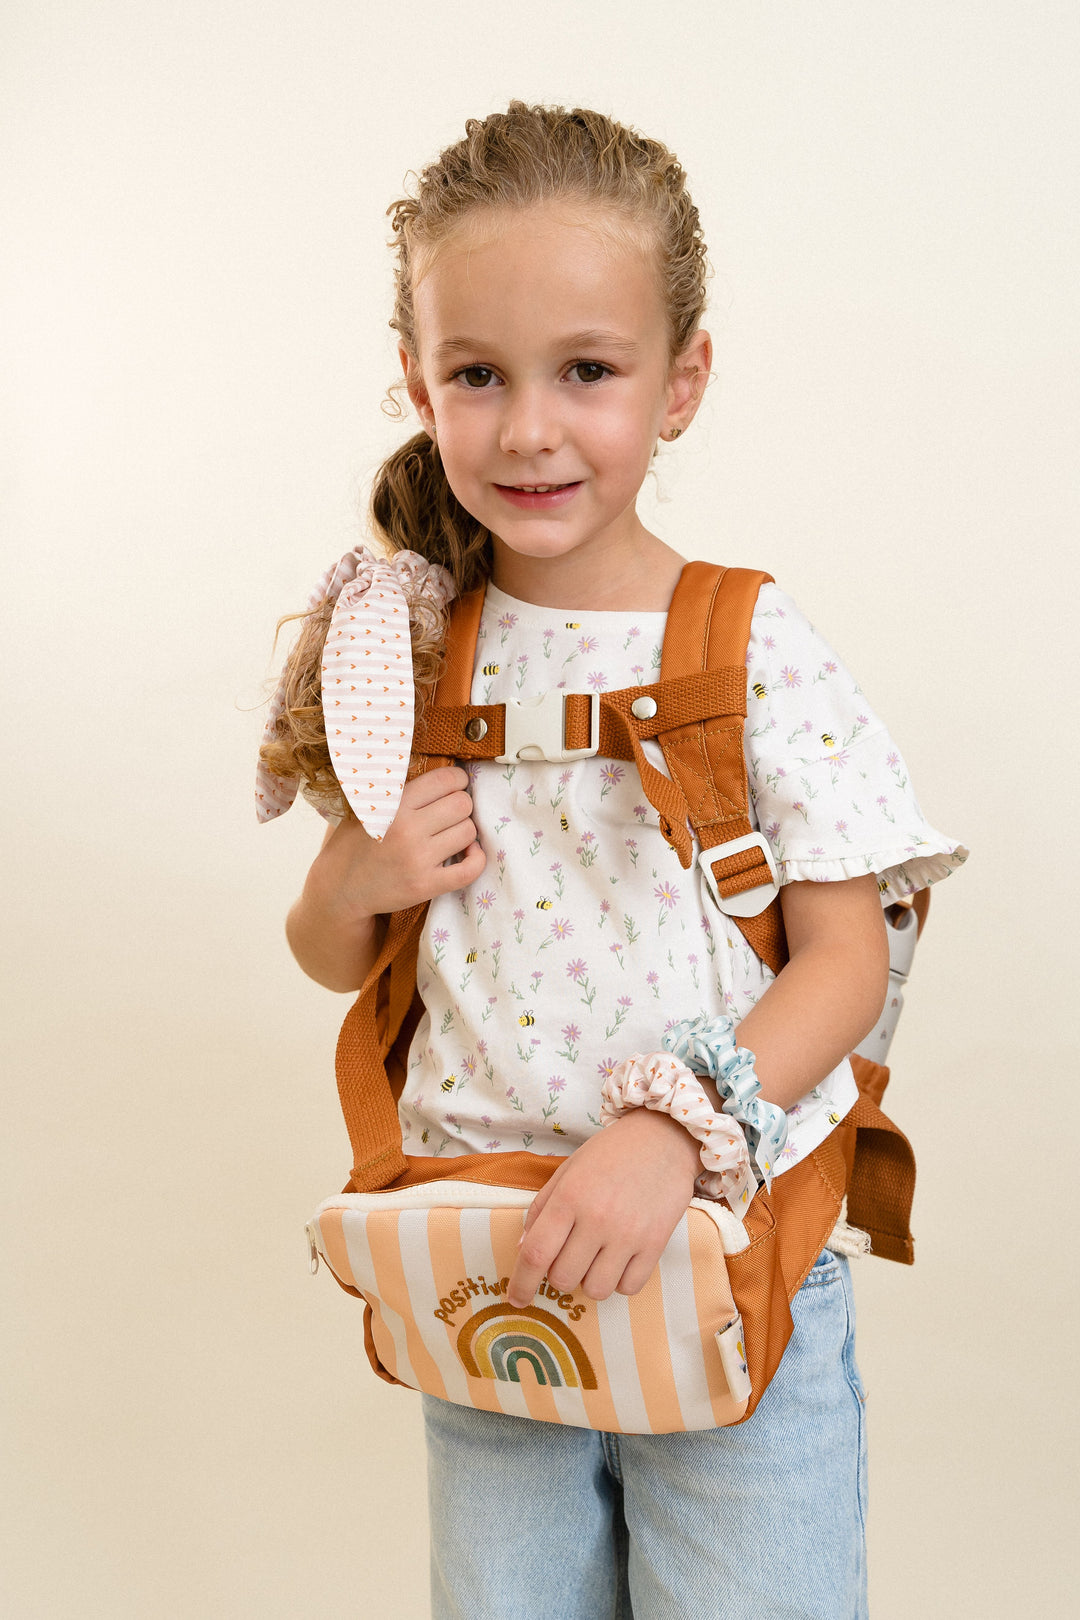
(674, 434)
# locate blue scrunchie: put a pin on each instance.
(707, 1045)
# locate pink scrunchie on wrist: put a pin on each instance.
(659, 1081)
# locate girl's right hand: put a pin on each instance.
(433, 824)
(356, 879)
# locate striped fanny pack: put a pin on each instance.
(433, 1261)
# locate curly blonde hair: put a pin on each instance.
(526, 156)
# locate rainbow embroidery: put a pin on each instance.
(494, 1343)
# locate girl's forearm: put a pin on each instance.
(830, 993)
(334, 944)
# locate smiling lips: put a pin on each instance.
(533, 496)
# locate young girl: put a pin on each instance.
(550, 293)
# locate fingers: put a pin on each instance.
(539, 1246)
(423, 790)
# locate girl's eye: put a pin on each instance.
(476, 376)
(590, 371)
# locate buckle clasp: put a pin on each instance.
(535, 728)
(750, 902)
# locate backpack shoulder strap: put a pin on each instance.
(708, 628)
(386, 1006)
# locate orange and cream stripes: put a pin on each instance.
(433, 1262)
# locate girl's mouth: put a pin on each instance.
(538, 496)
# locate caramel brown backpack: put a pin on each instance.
(696, 712)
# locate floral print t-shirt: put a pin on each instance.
(584, 939)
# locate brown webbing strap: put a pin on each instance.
(372, 1023)
(708, 627)
(882, 1183)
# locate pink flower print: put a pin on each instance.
(493, 1147)
(468, 1066)
(892, 761)
(611, 775)
(862, 720)
(606, 1067)
(667, 894)
(641, 812)
(692, 959)
(817, 852)
(772, 830)
(790, 677)
(481, 1047)
(484, 903)
(577, 970)
(652, 978)
(571, 1034)
(625, 1001)
(562, 928)
(807, 725)
(564, 778)
(485, 1120)
(556, 1082)
(605, 906)
(511, 1092)
(587, 644)
(597, 680)
(508, 621)
(637, 670)
(518, 915)
(440, 936)
(769, 643)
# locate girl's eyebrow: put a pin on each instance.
(575, 343)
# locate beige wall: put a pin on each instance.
(196, 350)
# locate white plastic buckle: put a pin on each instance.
(751, 902)
(536, 729)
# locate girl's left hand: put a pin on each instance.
(604, 1218)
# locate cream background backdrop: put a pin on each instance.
(196, 292)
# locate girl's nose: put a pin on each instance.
(530, 422)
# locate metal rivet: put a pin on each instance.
(475, 729)
(643, 708)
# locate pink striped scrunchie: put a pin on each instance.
(659, 1081)
(367, 683)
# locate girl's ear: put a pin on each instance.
(417, 392)
(687, 381)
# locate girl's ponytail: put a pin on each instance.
(414, 509)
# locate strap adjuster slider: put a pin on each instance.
(749, 902)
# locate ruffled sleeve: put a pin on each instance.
(829, 785)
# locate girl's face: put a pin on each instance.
(544, 376)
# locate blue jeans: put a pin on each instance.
(762, 1521)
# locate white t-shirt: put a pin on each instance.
(583, 939)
